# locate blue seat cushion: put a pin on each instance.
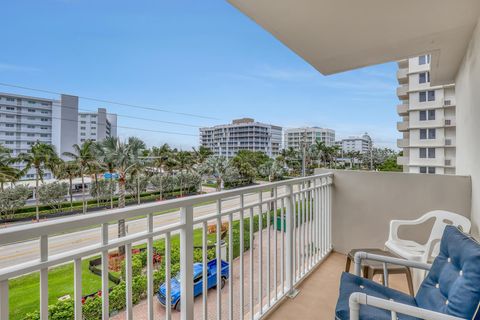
(453, 284)
(350, 283)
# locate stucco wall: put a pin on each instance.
(468, 122)
(364, 203)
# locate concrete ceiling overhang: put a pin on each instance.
(340, 35)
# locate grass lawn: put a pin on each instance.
(24, 291)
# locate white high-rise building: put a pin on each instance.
(362, 144)
(25, 120)
(293, 138)
(428, 124)
(96, 126)
(242, 134)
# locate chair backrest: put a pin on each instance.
(453, 284)
(442, 219)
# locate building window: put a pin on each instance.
(431, 153)
(10, 99)
(83, 122)
(422, 96)
(82, 134)
(11, 108)
(31, 110)
(93, 122)
(8, 142)
(30, 135)
(82, 128)
(9, 133)
(44, 135)
(424, 59)
(424, 77)
(432, 133)
(44, 128)
(8, 116)
(44, 119)
(423, 134)
(9, 125)
(31, 102)
(431, 114)
(44, 112)
(30, 126)
(423, 115)
(93, 128)
(83, 116)
(431, 170)
(431, 95)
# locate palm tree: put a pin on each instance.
(41, 157)
(84, 156)
(217, 167)
(319, 151)
(7, 172)
(100, 150)
(124, 157)
(159, 159)
(202, 154)
(68, 170)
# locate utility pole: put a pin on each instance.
(304, 137)
(371, 157)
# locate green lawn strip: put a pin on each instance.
(24, 291)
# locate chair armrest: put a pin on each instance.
(361, 255)
(395, 224)
(358, 298)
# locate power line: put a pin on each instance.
(123, 127)
(112, 102)
(56, 104)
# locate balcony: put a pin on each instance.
(402, 143)
(402, 109)
(403, 64)
(402, 126)
(449, 122)
(292, 250)
(402, 92)
(402, 75)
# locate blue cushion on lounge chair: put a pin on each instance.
(453, 284)
(351, 283)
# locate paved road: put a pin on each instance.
(27, 251)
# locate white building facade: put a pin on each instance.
(428, 124)
(242, 134)
(96, 126)
(25, 120)
(362, 144)
(295, 137)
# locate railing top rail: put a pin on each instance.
(30, 231)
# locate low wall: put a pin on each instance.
(364, 203)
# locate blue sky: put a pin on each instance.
(202, 57)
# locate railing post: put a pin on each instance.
(44, 279)
(4, 301)
(186, 263)
(289, 255)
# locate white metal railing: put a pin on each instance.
(295, 238)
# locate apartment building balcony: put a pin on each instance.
(449, 122)
(403, 143)
(402, 161)
(402, 75)
(402, 109)
(402, 126)
(402, 92)
(308, 225)
(403, 64)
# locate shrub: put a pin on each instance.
(62, 310)
(53, 194)
(139, 288)
(92, 309)
(12, 199)
(117, 297)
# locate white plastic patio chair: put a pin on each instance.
(412, 250)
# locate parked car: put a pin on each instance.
(197, 282)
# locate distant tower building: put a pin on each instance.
(361, 144)
(242, 134)
(96, 126)
(428, 125)
(25, 120)
(294, 137)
